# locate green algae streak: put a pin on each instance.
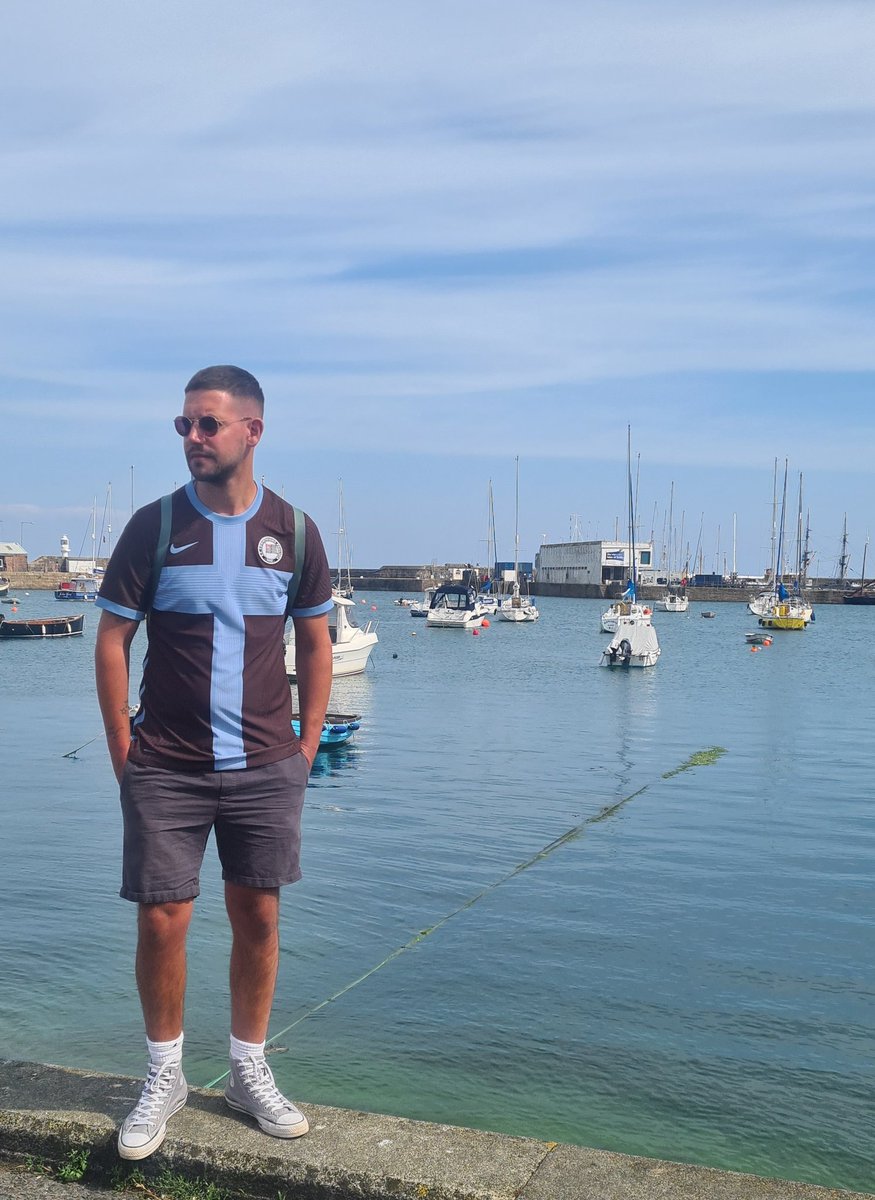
(702, 758)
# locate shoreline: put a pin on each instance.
(47, 1111)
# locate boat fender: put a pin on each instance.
(647, 612)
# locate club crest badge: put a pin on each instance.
(269, 550)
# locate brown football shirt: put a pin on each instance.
(214, 695)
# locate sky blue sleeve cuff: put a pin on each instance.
(318, 611)
(120, 611)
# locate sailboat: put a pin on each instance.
(674, 600)
(634, 643)
(487, 594)
(627, 607)
(785, 611)
(516, 607)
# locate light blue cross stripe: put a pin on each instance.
(229, 591)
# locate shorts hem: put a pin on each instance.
(244, 881)
(190, 892)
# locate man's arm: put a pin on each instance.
(112, 657)
(313, 671)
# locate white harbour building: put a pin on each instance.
(593, 563)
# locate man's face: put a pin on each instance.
(217, 459)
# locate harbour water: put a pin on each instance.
(688, 975)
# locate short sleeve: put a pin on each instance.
(129, 571)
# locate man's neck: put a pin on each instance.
(228, 499)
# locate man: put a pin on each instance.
(212, 746)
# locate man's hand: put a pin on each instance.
(309, 752)
(313, 669)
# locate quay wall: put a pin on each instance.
(47, 1113)
(414, 584)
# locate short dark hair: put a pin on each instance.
(233, 380)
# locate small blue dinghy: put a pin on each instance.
(337, 729)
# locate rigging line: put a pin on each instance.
(73, 753)
(700, 758)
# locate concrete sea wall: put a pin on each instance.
(46, 1112)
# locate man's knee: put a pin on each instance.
(253, 912)
(164, 923)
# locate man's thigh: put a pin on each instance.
(167, 820)
(258, 825)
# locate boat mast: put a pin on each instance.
(734, 531)
(781, 528)
(516, 527)
(800, 537)
(339, 534)
(491, 546)
(634, 573)
(843, 560)
(773, 558)
(670, 531)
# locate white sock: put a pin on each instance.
(165, 1052)
(241, 1050)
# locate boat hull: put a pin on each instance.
(42, 627)
(782, 622)
(634, 660)
(527, 612)
(336, 730)
(437, 619)
(348, 658)
(673, 604)
(351, 645)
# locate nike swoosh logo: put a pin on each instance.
(179, 549)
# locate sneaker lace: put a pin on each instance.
(158, 1085)
(258, 1079)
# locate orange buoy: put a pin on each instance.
(485, 622)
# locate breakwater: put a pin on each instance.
(412, 583)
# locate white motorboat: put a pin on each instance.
(419, 608)
(633, 645)
(351, 645)
(455, 606)
(673, 602)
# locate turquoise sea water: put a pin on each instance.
(690, 976)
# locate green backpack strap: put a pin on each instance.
(300, 549)
(160, 551)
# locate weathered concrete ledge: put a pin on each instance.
(47, 1111)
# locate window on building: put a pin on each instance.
(645, 558)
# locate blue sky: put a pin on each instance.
(442, 236)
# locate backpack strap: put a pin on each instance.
(160, 551)
(300, 550)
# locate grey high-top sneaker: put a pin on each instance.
(144, 1128)
(251, 1089)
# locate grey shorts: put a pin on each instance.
(168, 815)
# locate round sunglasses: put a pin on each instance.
(209, 426)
